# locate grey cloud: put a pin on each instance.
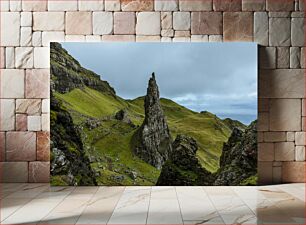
(182, 70)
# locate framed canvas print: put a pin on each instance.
(153, 114)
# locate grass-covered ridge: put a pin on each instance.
(107, 141)
(109, 144)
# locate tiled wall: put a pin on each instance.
(28, 26)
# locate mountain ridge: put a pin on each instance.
(107, 140)
(70, 74)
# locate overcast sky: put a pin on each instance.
(217, 77)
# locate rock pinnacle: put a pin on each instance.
(153, 140)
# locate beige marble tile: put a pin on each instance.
(55, 193)
(100, 208)
(67, 212)
(9, 206)
(164, 206)
(298, 190)
(272, 214)
(219, 190)
(132, 207)
(11, 187)
(230, 207)
(163, 193)
(61, 218)
(29, 191)
(244, 192)
(209, 219)
(195, 204)
(238, 214)
(294, 208)
(274, 194)
(32, 212)
(82, 193)
(255, 204)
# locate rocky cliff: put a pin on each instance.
(67, 73)
(69, 164)
(238, 162)
(183, 167)
(152, 142)
(97, 135)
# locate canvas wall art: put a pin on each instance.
(153, 114)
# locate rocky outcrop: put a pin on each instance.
(152, 141)
(92, 123)
(67, 73)
(69, 163)
(122, 115)
(183, 167)
(238, 161)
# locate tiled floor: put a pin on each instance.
(42, 204)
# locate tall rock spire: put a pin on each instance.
(153, 144)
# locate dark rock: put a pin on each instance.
(123, 116)
(118, 178)
(183, 167)
(184, 152)
(92, 123)
(152, 141)
(67, 73)
(68, 158)
(238, 161)
(131, 174)
(59, 161)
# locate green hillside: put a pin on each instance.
(106, 140)
(108, 145)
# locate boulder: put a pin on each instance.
(238, 162)
(122, 115)
(183, 167)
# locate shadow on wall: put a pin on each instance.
(280, 121)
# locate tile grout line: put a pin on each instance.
(3, 219)
(27, 203)
(87, 203)
(56, 206)
(18, 189)
(29, 200)
(116, 205)
(255, 213)
(178, 201)
(214, 206)
(149, 205)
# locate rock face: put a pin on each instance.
(69, 164)
(183, 167)
(67, 73)
(152, 142)
(238, 162)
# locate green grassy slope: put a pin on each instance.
(209, 131)
(109, 143)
